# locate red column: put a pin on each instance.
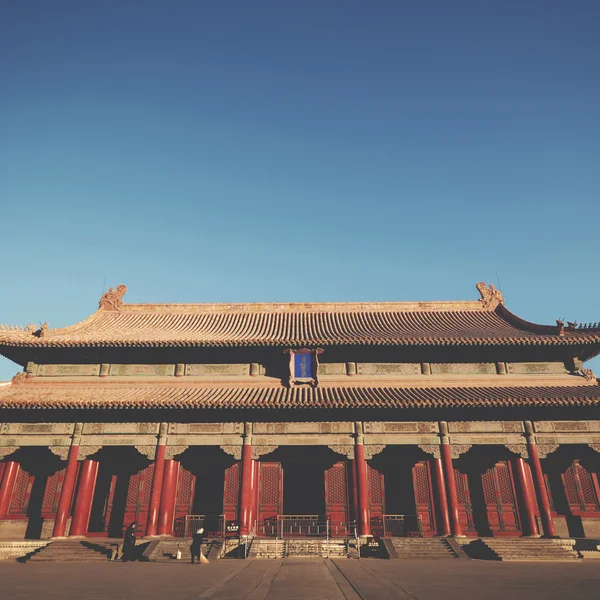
(248, 495)
(11, 469)
(354, 488)
(364, 517)
(540, 483)
(85, 495)
(157, 484)
(166, 511)
(531, 528)
(446, 452)
(441, 497)
(66, 494)
(1, 471)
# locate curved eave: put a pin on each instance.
(118, 397)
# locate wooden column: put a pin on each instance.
(539, 482)
(66, 494)
(157, 481)
(446, 452)
(528, 494)
(248, 493)
(362, 484)
(166, 511)
(85, 496)
(352, 469)
(11, 470)
(441, 497)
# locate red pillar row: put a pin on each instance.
(11, 469)
(85, 495)
(166, 512)
(66, 494)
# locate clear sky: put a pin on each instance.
(322, 150)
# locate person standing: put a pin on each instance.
(196, 546)
(129, 542)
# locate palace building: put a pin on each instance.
(416, 419)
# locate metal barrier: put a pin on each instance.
(289, 526)
(397, 526)
(213, 525)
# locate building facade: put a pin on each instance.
(414, 419)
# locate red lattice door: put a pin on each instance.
(184, 499)
(424, 498)
(465, 507)
(52, 491)
(581, 489)
(21, 494)
(336, 499)
(376, 500)
(138, 498)
(270, 497)
(231, 491)
(500, 500)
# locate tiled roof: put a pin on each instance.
(131, 396)
(471, 323)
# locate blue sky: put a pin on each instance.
(292, 151)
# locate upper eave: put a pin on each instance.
(485, 322)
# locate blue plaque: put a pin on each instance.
(303, 365)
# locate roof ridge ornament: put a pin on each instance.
(113, 299)
(588, 374)
(490, 296)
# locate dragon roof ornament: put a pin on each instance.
(113, 299)
(490, 296)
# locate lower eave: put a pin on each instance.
(130, 397)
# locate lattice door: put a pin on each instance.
(184, 498)
(336, 498)
(465, 508)
(376, 500)
(423, 497)
(231, 491)
(270, 496)
(581, 489)
(500, 500)
(138, 498)
(21, 494)
(52, 491)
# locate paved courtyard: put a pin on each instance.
(300, 579)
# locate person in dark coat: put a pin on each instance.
(129, 542)
(196, 546)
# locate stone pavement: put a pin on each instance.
(301, 579)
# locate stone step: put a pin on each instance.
(536, 550)
(71, 552)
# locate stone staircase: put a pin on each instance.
(423, 548)
(524, 549)
(73, 551)
(298, 548)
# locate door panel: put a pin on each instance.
(270, 496)
(376, 500)
(336, 498)
(424, 497)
